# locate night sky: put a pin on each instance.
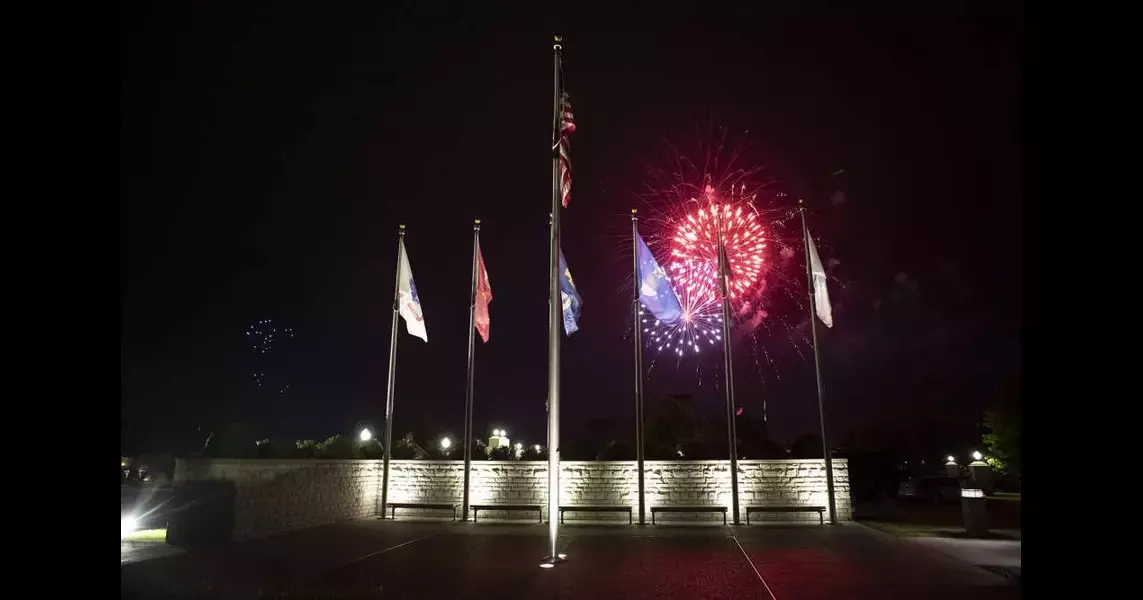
(268, 154)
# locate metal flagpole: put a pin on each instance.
(392, 373)
(554, 320)
(731, 430)
(638, 363)
(818, 366)
(471, 368)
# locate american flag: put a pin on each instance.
(567, 127)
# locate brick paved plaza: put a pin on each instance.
(405, 559)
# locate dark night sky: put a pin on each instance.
(268, 153)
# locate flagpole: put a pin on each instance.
(638, 362)
(392, 373)
(818, 366)
(554, 320)
(471, 368)
(731, 430)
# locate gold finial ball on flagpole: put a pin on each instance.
(558, 38)
(401, 227)
(476, 221)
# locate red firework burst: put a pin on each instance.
(694, 251)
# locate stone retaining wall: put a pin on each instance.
(275, 496)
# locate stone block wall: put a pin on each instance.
(276, 496)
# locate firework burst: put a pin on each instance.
(686, 205)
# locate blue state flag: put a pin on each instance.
(570, 296)
(655, 287)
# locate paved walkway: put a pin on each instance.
(998, 555)
(374, 558)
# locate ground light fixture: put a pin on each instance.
(128, 525)
(548, 564)
(365, 435)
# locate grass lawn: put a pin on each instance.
(146, 535)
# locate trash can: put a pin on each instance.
(972, 506)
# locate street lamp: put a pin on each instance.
(446, 443)
(366, 435)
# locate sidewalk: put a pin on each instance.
(999, 556)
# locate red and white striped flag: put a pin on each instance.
(567, 127)
(483, 297)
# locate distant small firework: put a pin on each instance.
(263, 338)
(264, 334)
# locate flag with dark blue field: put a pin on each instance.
(570, 296)
(655, 287)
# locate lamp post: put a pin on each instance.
(446, 446)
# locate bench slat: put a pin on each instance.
(688, 508)
(393, 506)
(787, 508)
(476, 508)
(597, 508)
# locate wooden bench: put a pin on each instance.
(694, 508)
(596, 508)
(479, 507)
(431, 505)
(787, 509)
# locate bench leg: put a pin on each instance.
(630, 518)
(821, 518)
(474, 511)
(724, 518)
(747, 517)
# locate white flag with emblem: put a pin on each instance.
(821, 294)
(408, 303)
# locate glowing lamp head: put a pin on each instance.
(519, 446)
(950, 458)
(976, 455)
(128, 525)
(537, 447)
(446, 443)
(365, 435)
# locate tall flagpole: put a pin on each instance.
(392, 372)
(728, 366)
(471, 368)
(638, 362)
(554, 320)
(818, 366)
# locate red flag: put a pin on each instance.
(483, 296)
(567, 127)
